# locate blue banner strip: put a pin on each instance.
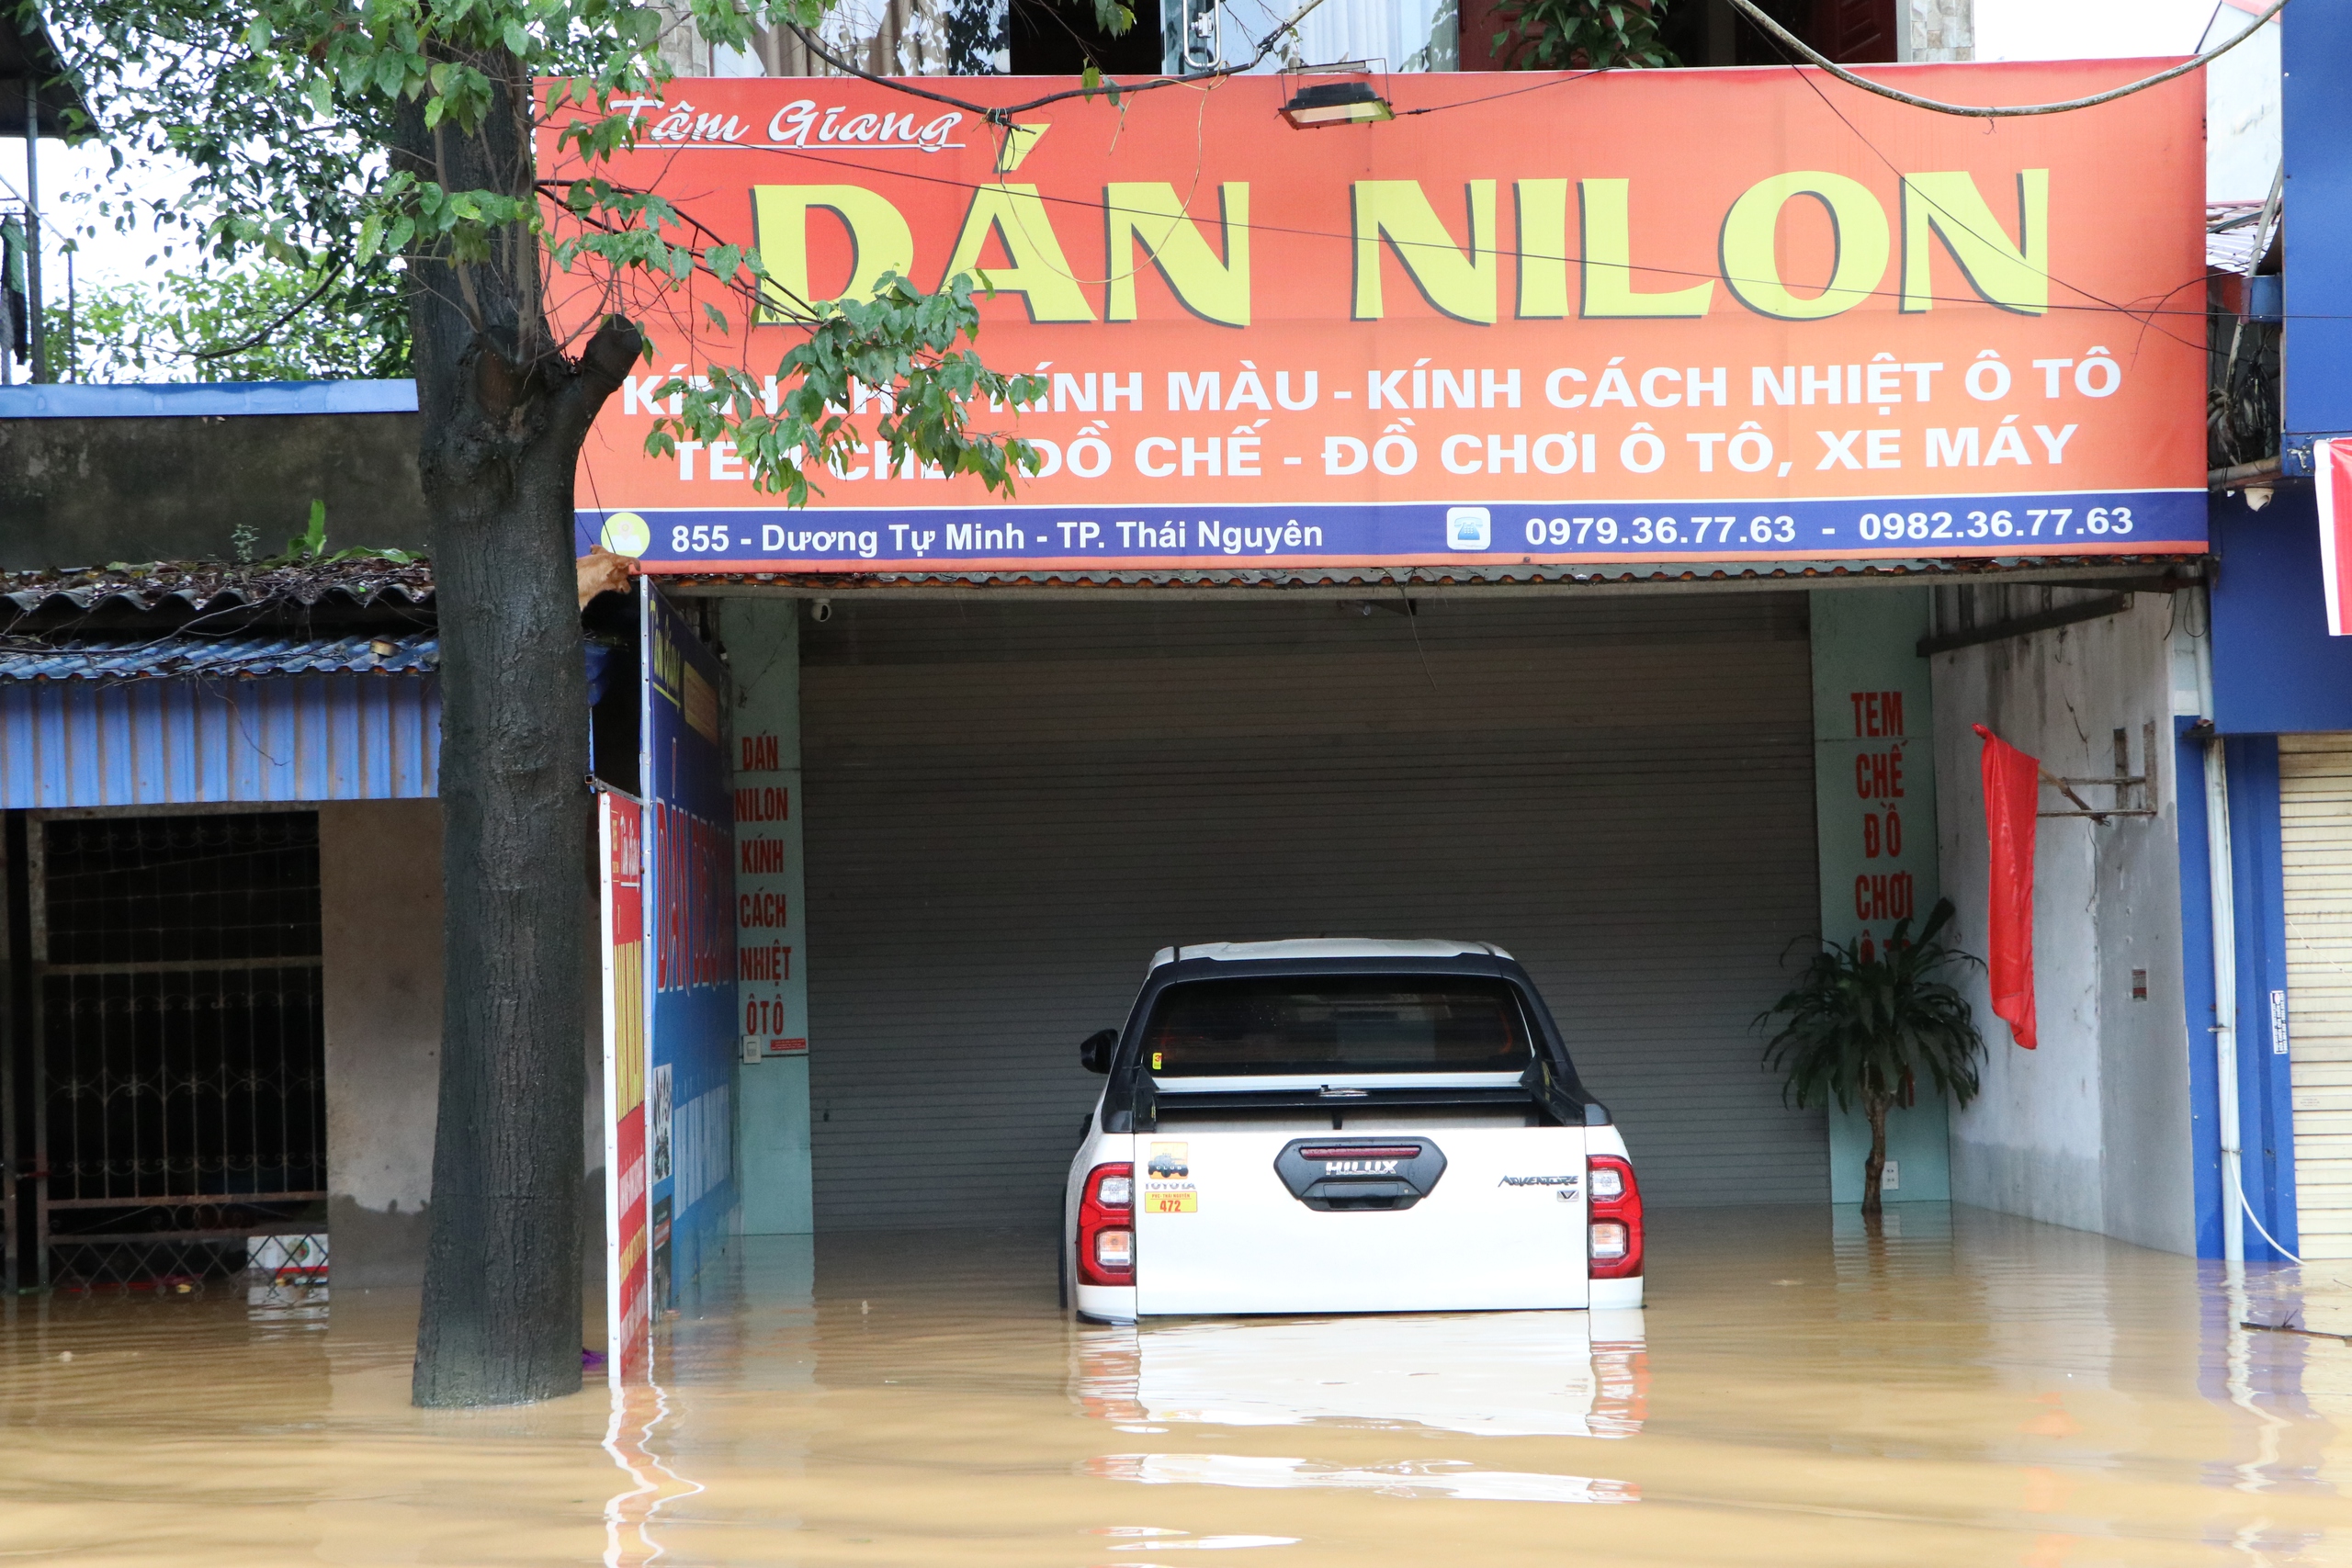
(1491, 534)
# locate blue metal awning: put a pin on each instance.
(181, 720)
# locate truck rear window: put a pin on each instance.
(1353, 1023)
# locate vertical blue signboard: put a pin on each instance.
(690, 960)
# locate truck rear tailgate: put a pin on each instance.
(1282, 1219)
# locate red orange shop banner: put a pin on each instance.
(1630, 317)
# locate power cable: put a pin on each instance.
(2265, 1234)
(1773, 29)
(2147, 319)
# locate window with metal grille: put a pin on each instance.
(180, 1065)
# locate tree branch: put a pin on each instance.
(262, 336)
(602, 366)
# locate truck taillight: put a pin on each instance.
(1106, 1237)
(1615, 1247)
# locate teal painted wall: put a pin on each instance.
(1874, 795)
(762, 642)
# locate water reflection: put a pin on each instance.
(1958, 1389)
(1454, 1478)
(638, 1411)
(1531, 1374)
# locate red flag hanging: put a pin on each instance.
(2331, 476)
(2012, 792)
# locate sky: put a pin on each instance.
(2089, 30)
(2006, 29)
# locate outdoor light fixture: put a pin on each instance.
(1337, 103)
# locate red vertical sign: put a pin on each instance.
(2331, 476)
(627, 1317)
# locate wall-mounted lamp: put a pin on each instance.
(1336, 103)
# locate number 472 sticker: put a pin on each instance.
(1166, 1190)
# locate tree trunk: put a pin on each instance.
(1874, 1106)
(504, 416)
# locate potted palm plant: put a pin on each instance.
(1868, 1024)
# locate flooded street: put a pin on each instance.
(1969, 1389)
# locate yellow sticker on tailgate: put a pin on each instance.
(1167, 1189)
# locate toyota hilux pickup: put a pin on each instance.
(1344, 1125)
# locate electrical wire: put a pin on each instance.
(1773, 29)
(2146, 318)
(2265, 1234)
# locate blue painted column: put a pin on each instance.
(2266, 1104)
(1874, 804)
(2315, 50)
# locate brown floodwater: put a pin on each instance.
(1966, 1389)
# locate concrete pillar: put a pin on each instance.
(379, 903)
(1874, 780)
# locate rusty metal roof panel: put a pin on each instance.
(215, 587)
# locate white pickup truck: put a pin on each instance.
(1340, 1126)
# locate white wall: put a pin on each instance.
(380, 910)
(379, 902)
(2241, 111)
(1939, 30)
(2241, 88)
(2089, 30)
(2091, 1129)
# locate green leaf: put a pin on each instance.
(312, 542)
(392, 71)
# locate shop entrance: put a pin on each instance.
(1011, 803)
(170, 1099)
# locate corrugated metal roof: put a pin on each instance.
(2230, 230)
(213, 586)
(339, 737)
(220, 658)
(205, 399)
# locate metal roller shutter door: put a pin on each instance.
(1010, 804)
(2315, 830)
